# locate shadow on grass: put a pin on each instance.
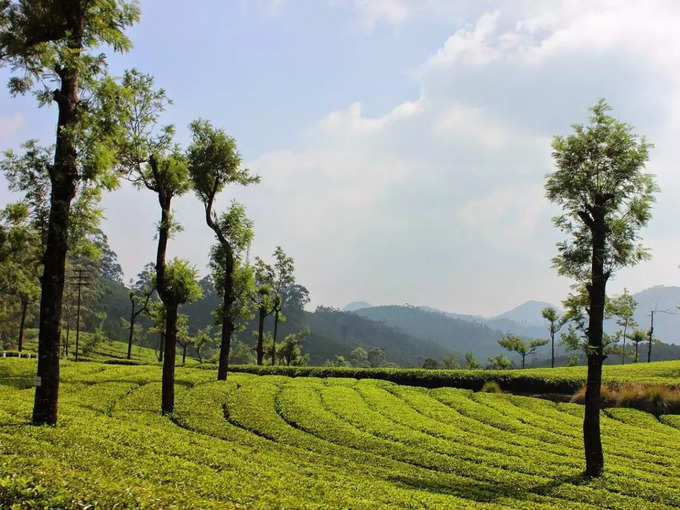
(488, 492)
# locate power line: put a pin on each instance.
(79, 278)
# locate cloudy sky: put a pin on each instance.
(402, 144)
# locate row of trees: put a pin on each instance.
(108, 129)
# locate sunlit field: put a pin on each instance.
(274, 441)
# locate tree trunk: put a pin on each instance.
(552, 348)
(651, 338)
(68, 335)
(523, 358)
(78, 323)
(161, 345)
(184, 353)
(63, 177)
(597, 288)
(227, 320)
(22, 322)
(623, 349)
(168, 385)
(276, 326)
(132, 329)
(260, 333)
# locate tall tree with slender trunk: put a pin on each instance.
(151, 160)
(214, 163)
(50, 43)
(555, 324)
(623, 308)
(284, 268)
(606, 198)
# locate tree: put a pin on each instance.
(284, 267)
(637, 337)
(49, 43)
(214, 163)
(514, 343)
(623, 308)
(140, 296)
(179, 286)
(184, 339)
(556, 323)
(376, 357)
(201, 340)
(500, 362)
(431, 364)
(234, 281)
(449, 361)
(359, 357)
(290, 350)
(263, 301)
(151, 160)
(471, 362)
(606, 199)
(20, 262)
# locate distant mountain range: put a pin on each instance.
(408, 334)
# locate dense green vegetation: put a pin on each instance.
(308, 442)
(530, 381)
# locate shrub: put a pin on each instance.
(491, 387)
(657, 399)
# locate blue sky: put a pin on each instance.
(402, 144)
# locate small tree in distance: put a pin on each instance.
(556, 322)
(606, 199)
(514, 343)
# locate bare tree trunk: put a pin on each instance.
(68, 335)
(227, 320)
(168, 385)
(552, 348)
(260, 333)
(184, 353)
(63, 177)
(77, 324)
(276, 326)
(592, 439)
(651, 339)
(22, 322)
(132, 328)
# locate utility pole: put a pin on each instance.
(79, 278)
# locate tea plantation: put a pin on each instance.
(263, 441)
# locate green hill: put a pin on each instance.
(263, 442)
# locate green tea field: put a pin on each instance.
(306, 442)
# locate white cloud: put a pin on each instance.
(450, 184)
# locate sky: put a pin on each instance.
(402, 144)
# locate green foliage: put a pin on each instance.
(600, 167)
(491, 387)
(499, 362)
(290, 350)
(471, 362)
(305, 442)
(181, 282)
(431, 364)
(516, 344)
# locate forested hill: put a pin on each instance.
(451, 333)
(333, 332)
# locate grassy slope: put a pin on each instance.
(261, 442)
(107, 350)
